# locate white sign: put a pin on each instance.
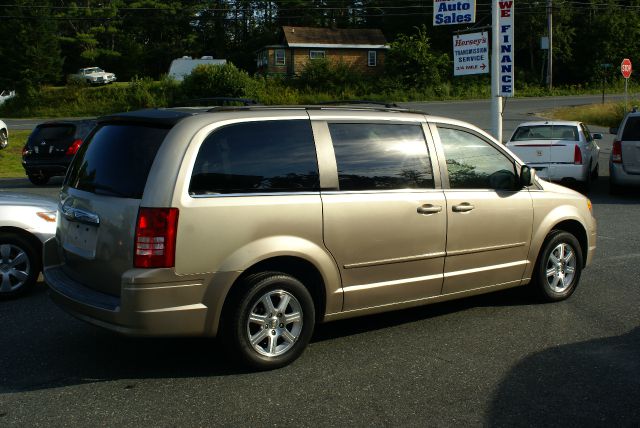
(448, 12)
(470, 54)
(506, 52)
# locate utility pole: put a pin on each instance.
(496, 99)
(550, 51)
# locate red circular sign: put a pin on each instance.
(625, 68)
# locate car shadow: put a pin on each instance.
(47, 348)
(593, 383)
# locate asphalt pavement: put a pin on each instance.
(502, 359)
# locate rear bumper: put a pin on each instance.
(153, 302)
(619, 176)
(561, 171)
(48, 168)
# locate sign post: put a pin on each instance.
(502, 84)
(625, 69)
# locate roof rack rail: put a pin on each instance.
(346, 102)
(218, 101)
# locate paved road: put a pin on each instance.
(500, 360)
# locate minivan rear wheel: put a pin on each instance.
(559, 266)
(270, 322)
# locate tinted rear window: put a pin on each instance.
(632, 129)
(257, 157)
(116, 160)
(52, 132)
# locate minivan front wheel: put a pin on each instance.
(271, 322)
(559, 266)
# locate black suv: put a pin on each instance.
(51, 146)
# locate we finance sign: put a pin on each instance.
(449, 12)
(470, 54)
(506, 52)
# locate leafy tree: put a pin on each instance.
(29, 50)
(412, 61)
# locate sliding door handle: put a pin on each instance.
(463, 207)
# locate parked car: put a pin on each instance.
(26, 221)
(560, 151)
(94, 76)
(624, 161)
(6, 94)
(4, 135)
(255, 223)
(51, 146)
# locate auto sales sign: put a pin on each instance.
(448, 12)
(470, 54)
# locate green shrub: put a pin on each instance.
(208, 80)
(340, 78)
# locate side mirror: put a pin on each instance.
(526, 178)
(613, 130)
(597, 136)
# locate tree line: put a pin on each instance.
(45, 40)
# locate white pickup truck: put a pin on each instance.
(94, 76)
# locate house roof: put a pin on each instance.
(333, 37)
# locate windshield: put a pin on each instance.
(546, 132)
(116, 160)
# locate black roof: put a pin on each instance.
(166, 117)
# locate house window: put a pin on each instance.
(373, 58)
(316, 54)
(280, 57)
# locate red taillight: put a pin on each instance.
(155, 240)
(577, 155)
(26, 151)
(73, 148)
(616, 152)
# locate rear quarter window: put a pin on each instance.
(257, 157)
(632, 129)
(116, 160)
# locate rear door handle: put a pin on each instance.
(429, 209)
(463, 207)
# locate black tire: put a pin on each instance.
(596, 173)
(275, 348)
(586, 184)
(549, 277)
(38, 179)
(4, 140)
(18, 256)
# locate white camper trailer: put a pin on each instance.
(181, 67)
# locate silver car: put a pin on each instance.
(26, 222)
(624, 162)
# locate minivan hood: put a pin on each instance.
(556, 188)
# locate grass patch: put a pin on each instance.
(11, 156)
(607, 114)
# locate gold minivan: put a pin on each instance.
(255, 223)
